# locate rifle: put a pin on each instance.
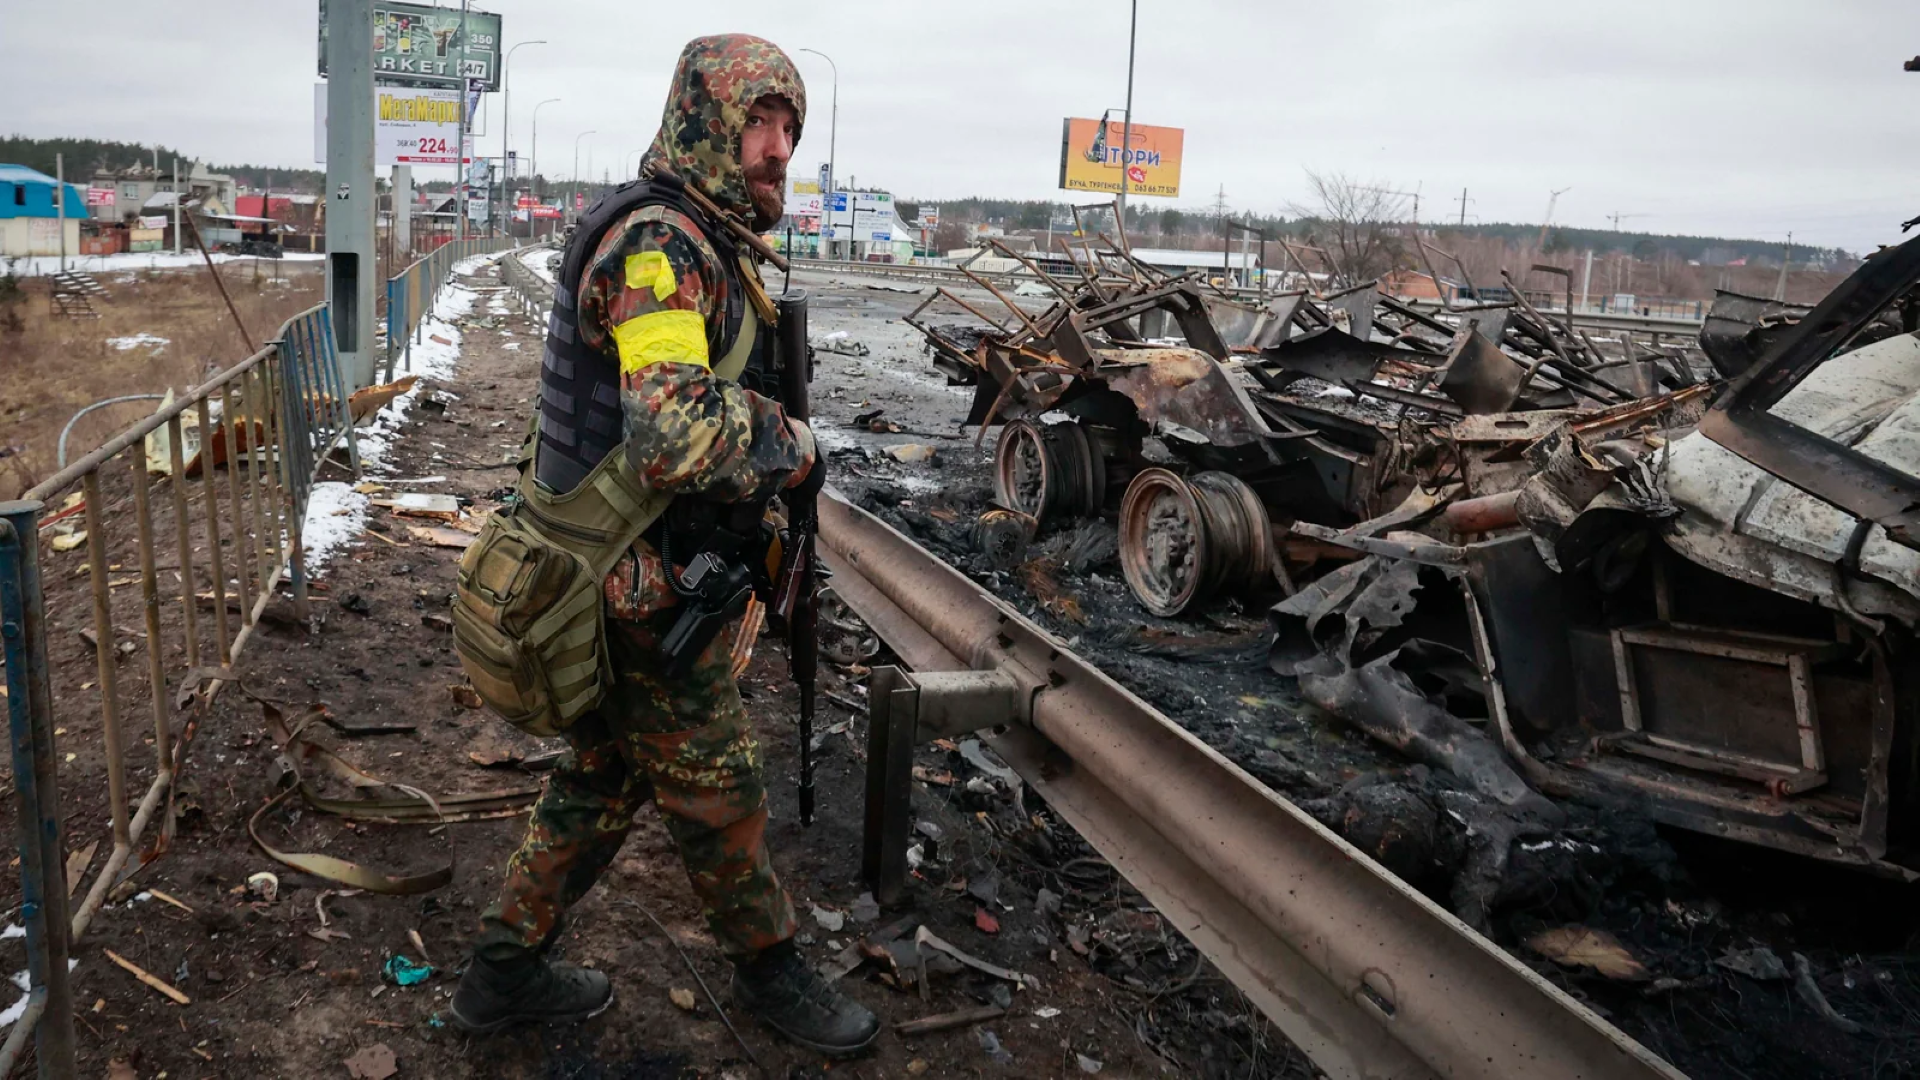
(796, 602)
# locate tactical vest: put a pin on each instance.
(528, 612)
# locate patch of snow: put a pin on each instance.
(419, 480)
(540, 262)
(336, 515)
(431, 360)
(511, 346)
(1338, 393)
(136, 340)
(19, 1008)
(14, 931)
(44, 265)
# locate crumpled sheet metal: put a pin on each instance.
(1188, 388)
(1331, 635)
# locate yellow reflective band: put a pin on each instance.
(677, 337)
(651, 270)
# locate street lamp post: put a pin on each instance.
(833, 131)
(506, 115)
(533, 162)
(1126, 124)
(576, 160)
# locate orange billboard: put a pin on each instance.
(1091, 157)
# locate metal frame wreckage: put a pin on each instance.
(1553, 564)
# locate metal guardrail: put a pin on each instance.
(411, 293)
(534, 292)
(1591, 320)
(1362, 972)
(270, 420)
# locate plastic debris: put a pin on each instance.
(404, 972)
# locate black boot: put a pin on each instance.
(780, 988)
(525, 988)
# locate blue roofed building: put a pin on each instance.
(29, 218)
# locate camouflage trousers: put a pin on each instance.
(685, 744)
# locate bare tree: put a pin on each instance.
(1359, 229)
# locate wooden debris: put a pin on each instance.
(144, 976)
(165, 899)
(465, 696)
(927, 1025)
(77, 865)
(438, 536)
(421, 504)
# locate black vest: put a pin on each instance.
(580, 417)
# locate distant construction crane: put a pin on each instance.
(1553, 199)
(1617, 215)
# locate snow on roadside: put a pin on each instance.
(43, 265)
(336, 516)
(19, 1008)
(540, 262)
(433, 360)
(336, 513)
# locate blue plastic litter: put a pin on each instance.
(405, 972)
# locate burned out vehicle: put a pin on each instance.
(1545, 562)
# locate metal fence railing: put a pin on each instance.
(237, 457)
(533, 292)
(411, 293)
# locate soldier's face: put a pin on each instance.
(765, 147)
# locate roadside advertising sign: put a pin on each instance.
(929, 217)
(420, 45)
(803, 196)
(411, 126)
(1091, 157)
(100, 196)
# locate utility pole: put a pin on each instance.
(1463, 207)
(1126, 118)
(402, 229)
(176, 206)
(1780, 287)
(1586, 279)
(60, 204)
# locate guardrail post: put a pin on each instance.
(43, 882)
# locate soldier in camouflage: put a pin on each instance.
(654, 292)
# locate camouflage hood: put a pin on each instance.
(717, 80)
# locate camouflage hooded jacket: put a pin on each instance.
(655, 292)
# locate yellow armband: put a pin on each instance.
(678, 337)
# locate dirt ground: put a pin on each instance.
(157, 330)
(293, 986)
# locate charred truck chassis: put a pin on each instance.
(1522, 477)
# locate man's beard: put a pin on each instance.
(770, 203)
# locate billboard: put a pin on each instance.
(410, 127)
(1091, 157)
(803, 196)
(419, 45)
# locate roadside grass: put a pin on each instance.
(51, 367)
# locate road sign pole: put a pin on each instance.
(350, 194)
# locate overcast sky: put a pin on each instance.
(1732, 117)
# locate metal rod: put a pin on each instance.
(183, 539)
(150, 607)
(242, 543)
(105, 658)
(211, 492)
